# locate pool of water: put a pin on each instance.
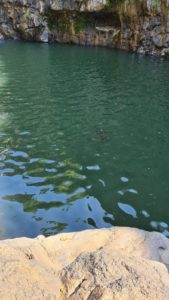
(84, 140)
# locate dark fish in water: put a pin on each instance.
(101, 134)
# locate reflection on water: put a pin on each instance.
(83, 140)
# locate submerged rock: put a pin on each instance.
(116, 263)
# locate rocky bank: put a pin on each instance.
(116, 263)
(137, 25)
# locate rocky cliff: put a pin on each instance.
(136, 25)
(107, 264)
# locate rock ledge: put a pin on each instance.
(119, 263)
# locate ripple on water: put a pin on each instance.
(82, 145)
(128, 209)
(124, 179)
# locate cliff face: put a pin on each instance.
(141, 26)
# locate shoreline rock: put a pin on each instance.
(116, 263)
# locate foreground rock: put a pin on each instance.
(117, 263)
(140, 26)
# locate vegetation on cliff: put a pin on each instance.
(141, 26)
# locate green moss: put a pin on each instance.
(82, 21)
(109, 5)
(79, 24)
(52, 23)
(154, 4)
(26, 14)
(61, 21)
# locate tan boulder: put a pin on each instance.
(116, 263)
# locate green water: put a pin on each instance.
(84, 140)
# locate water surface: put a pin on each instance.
(84, 140)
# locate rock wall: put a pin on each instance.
(108, 264)
(141, 26)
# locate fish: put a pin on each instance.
(100, 132)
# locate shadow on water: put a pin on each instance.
(84, 140)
